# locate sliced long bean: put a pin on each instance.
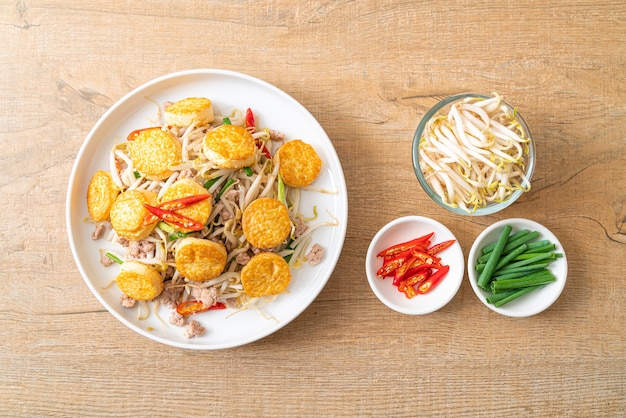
(541, 277)
(510, 256)
(528, 255)
(489, 248)
(485, 275)
(531, 260)
(506, 259)
(513, 243)
(517, 294)
(527, 268)
(499, 296)
(521, 273)
(537, 245)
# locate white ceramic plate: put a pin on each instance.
(402, 230)
(273, 108)
(534, 302)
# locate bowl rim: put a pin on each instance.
(489, 209)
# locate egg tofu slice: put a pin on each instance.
(265, 223)
(229, 146)
(187, 111)
(299, 163)
(101, 194)
(265, 274)
(200, 259)
(153, 151)
(139, 281)
(185, 187)
(128, 213)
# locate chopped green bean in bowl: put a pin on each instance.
(517, 267)
(473, 154)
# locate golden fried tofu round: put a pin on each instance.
(200, 259)
(265, 274)
(198, 211)
(153, 151)
(101, 194)
(265, 223)
(128, 213)
(139, 281)
(187, 111)
(299, 163)
(229, 146)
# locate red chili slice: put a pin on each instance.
(260, 145)
(398, 248)
(195, 306)
(183, 202)
(437, 248)
(433, 280)
(175, 204)
(131, 136)
(249, 118)
(173, 218)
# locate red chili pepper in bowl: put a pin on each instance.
(427, 285)
(437, 248)
(391, 264)
(411, 272)
(425, 258)
(414, 265)
(407, 286)
(398, 248)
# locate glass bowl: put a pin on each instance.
(441, 109)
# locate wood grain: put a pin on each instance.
(367, 71)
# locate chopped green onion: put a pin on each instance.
(207, 184)
(229, 183)
(177, 235)
(226, 121)
(248, 171)
(281, 190)
(173, 233)
(166, 227)
(137, 174)
(114, 258)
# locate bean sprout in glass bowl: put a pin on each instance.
(473, 154)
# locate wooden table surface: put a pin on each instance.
(367, 71)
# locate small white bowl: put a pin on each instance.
(534, 302)
(402, 230)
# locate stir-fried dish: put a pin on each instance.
(205, 212)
